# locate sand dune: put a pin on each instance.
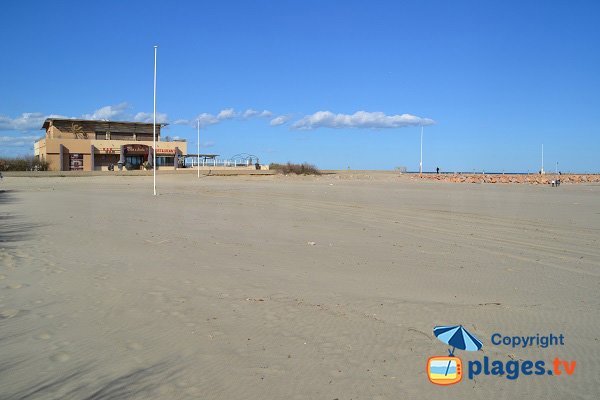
(270, 287)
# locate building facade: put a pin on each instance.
(86, 145)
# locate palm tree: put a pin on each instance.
(78, 131)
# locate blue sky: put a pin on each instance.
(351, 81)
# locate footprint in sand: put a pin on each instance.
(61, 356)
(43, 336)
(7, 313)
(193, 391)
(14, 286)
(134, 346)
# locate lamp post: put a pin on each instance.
(154, 125)
(421, 161)
(542, 160)
(198, 155)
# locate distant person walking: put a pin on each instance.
(437, 170)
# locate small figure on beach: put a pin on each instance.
(437, 170)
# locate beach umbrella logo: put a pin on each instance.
(447, 370)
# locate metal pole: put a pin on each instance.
(542, 158)
(421, 162)
(198, 156)
(154, 125)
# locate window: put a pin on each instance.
(134, 160)
(165, 161)
(121, 136)
(100, 135)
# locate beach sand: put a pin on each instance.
(273, 287)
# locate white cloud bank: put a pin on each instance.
(18, 141)
(225, 114)
(320, 119)
(249, 113)
(25, 121)
(108, 112)
(359, 120)
(34, 121)
(161, 118)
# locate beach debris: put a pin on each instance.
(311, 243)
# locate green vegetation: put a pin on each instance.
(298, 169)
(23, 164)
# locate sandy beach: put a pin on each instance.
(276, 287)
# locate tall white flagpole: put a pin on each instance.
(198, 155)
(421, 162)
(154, 125)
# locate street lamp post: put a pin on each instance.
(421, 160)
(154, 125)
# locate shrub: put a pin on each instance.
(298, 169)
(23, 164)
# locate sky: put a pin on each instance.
(336, 84)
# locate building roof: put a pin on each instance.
(201, 155)
(99, 121)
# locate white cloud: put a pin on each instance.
(161, 118)
(280, 120)
(227, 113)
(207, 119)
(17, 141)
(108, 112)
(34, 120)
(360, 120)
(249, 113)
(24, 122)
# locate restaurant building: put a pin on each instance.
(88, 145)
